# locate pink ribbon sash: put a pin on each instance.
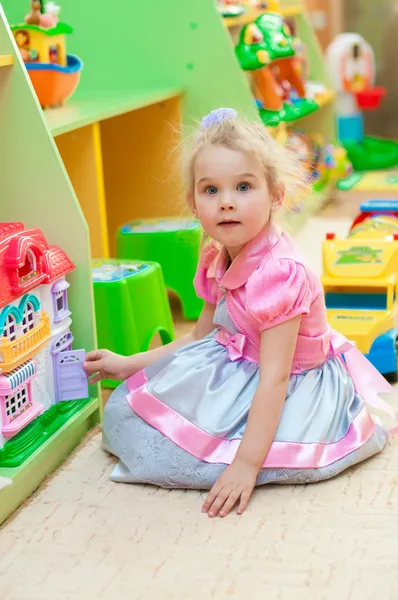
(368, 382)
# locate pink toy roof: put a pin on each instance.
(16, 244)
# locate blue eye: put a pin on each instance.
(211, 190)
(243, 187)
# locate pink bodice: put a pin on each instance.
(267, 284)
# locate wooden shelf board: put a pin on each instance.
(251, 15)
(6, 60)
(87, 109)
(27, 478)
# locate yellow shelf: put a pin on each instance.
(251, 15)
(6, 60)
(88, 109)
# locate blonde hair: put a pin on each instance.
(281, 166)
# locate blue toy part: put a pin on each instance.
(74, 64)
(350, 129)
(380, 206)
(383, 352)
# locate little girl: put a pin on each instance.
(262, 391)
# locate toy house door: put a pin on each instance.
(71, 379)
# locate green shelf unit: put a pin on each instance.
(136, 94)
(36, 190)
(87, 110)
(139, 92)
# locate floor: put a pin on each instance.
(81, 537)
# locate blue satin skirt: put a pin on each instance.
(324, 429)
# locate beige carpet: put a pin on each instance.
(81, 537)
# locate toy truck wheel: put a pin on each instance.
(393, 377)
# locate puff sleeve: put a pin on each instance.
(205, 284)
(276, 292)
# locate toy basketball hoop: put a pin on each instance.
(370, 98)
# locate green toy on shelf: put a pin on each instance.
(131, 306)
(267, 49)
(174, 244)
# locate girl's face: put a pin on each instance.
(231, 196)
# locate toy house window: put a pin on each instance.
(10, 328)
(62, 343)
(60, 300)
(16, 403)
(29, 269)
(54, 52)
(28, 321)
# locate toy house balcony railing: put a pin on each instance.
(13, 354)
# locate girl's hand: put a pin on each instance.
(235, 484)
(104, 364)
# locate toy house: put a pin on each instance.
(38, 44)
(41, 43)
(38, 367)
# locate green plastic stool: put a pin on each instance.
(131, 306)
(175, 245)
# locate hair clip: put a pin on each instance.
(217, 116)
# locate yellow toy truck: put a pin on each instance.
(360, 280)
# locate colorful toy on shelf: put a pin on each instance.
(324, 162)
(300, 49)
(230, 8)
(38, 367)
(352, 68)
(330, 163)
(265, 5)
(41, 42)
(266, 49)
(360, 279)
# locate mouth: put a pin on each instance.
(228, 224)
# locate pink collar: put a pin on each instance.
(246, 262)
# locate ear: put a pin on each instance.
(190, 199)
(278, 196)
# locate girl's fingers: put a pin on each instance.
(93, 367)
(244, 500)
(96, 378)
(94, 355)
(211, 496)
(219, 502)
(230, 502)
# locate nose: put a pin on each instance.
(227, 202)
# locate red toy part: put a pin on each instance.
(370, 98)
(365, 215)
(27, 260)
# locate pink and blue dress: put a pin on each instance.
(179, 422)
